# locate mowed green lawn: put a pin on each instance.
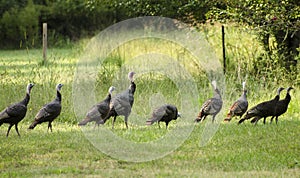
(234, 151)
(261, 151)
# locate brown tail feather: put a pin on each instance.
(149, 122)
(84, 122)
(199, 115)
(198, 119)
(32, 126)
(228, 117)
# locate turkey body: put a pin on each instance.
(212, 106)
(98, 111)
(49, 111)
(282, 105)
(164, 113)
(14, 113)
(239, 107)
(122, 103)
(262, 110)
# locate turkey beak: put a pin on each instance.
(179, 114)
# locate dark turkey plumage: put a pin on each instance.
(212, 106)
(239, 107)
(98, 111)
(122, 103)
(282, 105)
(14, 113)
(165, 113)
(49, 111)
(262, 110)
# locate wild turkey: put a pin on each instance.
(262, 110)
(282, 105)
(212, 106)
(14, 113)
(256, 119)
(98, 111)
(164, 113)
(49, 111)
(239, 107)
(121, 104)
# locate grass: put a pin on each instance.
(261, 151)
(234, 151)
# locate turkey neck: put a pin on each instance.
(108, 97)
(244, 95)
(277, 96)
(25, 101)
(58, 96)
(132, 87)
(287, 96)
(217, 94)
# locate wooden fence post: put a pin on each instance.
(45, 42)
(223, 46)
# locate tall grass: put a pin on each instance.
(21, 67)
(246, 57)
(18, 68)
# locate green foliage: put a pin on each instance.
(6, 5)
(246, 56)
(189, 11)
(8, 24)
(72, 20)
(20, 26)
(67, 20)
(278, 20)
(76, 18)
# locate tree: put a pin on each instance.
(188, 11)
(279, 19)
(19, 25)
(20, 21)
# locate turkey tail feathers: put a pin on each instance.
(32, 126)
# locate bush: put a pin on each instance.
(21, 24)
(20, 27)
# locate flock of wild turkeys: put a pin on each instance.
(14, 113)
(121, 105)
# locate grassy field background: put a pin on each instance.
(234, 151)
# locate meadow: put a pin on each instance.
(234, 150)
